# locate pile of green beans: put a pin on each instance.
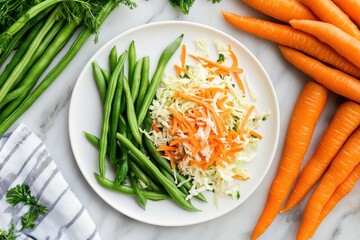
(139, 169)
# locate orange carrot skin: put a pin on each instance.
(351, 8)
(328, 12)
(288, 36)
(283, 10)
(307, 110)
(341, 191)
(343, 43)
(345, 120)
(331, 78)
(341, 166)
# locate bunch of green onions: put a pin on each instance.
(32, 34)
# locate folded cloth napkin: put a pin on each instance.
(27, 168)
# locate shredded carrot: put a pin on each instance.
(183, 56)
(239, 82)
(180, 140)
(235, 65)
(255, 134)
(182, 68)
(166, 148)
(156, 129)
(237, 176)
(177, 69)
(200, 134)
(172, 161)
(210, 64)
(246, 118)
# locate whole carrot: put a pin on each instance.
(341, 191)
(331, 78)
(288, 36)
(345, 120)
(342, 165)
(283, 10)
(351, 8)
(343, 43)
(328, 12)
(307, 110)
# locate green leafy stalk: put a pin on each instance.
(39, 51)
(23, 33)
(55, 72)
(29, 53)
(12, 10)
(72, 11)
(19, 53)
(185, 5)
(40, 66)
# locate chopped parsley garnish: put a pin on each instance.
(21, 194)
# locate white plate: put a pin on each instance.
(85, 114)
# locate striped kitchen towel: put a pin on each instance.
(35, 200)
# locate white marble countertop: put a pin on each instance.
(48, 118)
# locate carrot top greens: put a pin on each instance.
(185, 5)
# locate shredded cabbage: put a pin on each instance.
(227, 176)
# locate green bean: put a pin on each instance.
(166, 165)
(169, 186)
(143, 177)
(144, 83)
(113, 58)
(107, 110)
(122, 167)
(106, 74)
(136, 80)
(123, 104)
(130, 112)
(100, 80)
(95, 141)
(132, 61)
(163, 61)
(101, 15)
(139, 195)
(139, 173)
(171, 177)
(19, 53)
(121, 124)
(143, 167)
(122, 163)
(154, 196)
(115, 112)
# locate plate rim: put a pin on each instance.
(180, 23)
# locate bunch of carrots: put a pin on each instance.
(321, 38)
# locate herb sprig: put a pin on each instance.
(185, 5)
(21, 194)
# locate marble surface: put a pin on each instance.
(48, 118)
